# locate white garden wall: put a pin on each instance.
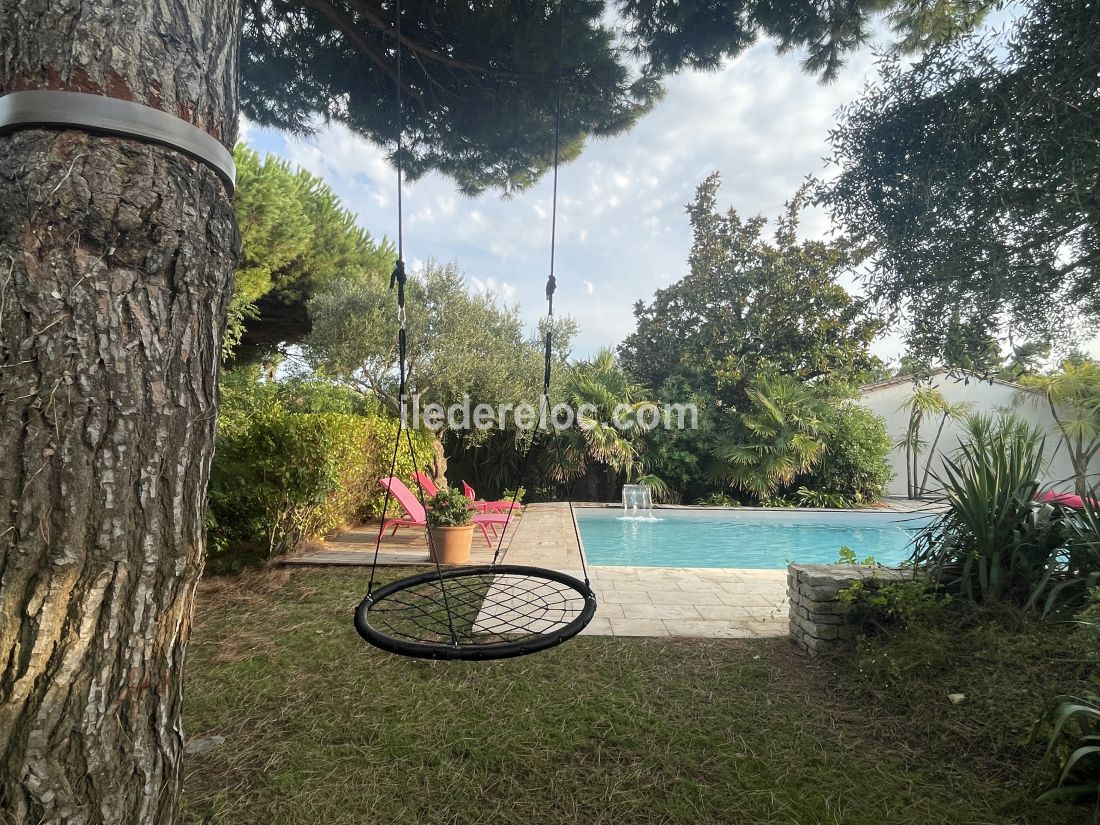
(887, 400)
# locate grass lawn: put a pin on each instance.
(322, 729)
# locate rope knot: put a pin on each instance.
(398, 275)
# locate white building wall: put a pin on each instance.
(987, 398)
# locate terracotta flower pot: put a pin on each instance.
(452, 544)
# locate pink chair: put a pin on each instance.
(415, 516)
(426, 482)
(500, 506)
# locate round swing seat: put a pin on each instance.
(476, 613)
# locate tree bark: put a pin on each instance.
(116, 262)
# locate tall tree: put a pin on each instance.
(750, 305)
(974, 177)
(115, 271)
(460, 342)
(296, 238)
(116, 258)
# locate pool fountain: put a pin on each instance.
(637, 503)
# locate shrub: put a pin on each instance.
(719, 500)
(805, 497)
(281, 477)
(449, 508)
(1075, 571)
(876, 605)
(854, 463)
(514, 494)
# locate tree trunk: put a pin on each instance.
(438, 468)
(931, 455)
(116, 260)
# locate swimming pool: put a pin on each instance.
(743, 538)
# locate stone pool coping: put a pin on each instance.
(687, 602)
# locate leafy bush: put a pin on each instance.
(777, 501)
(449, 508)
(848, 556)
(514, 494)
(719, 500)
(994, 541)
(1075, 569)
(281, 477)
(854, 463)
(805, 497)
(876, 605)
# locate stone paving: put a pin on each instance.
(633, 601)
(656, 601)
(692, 602)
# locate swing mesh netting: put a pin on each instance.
(487, 612)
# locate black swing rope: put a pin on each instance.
(480, 612)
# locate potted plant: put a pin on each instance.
(450, 520)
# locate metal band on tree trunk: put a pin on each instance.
(96, 113)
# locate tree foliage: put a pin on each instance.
(459, 343)
(974, 176)
(751, 306)
(701, 34)
(480, 78)
(296, 238)
(854, 462)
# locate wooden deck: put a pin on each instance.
(409, 546)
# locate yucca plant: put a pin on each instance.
(1076, 720)
(993, 541)
(1075, 567)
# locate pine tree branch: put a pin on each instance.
(387, 29)
(353, 33)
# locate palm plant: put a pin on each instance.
(925, 402)
(780, 436)
(613, 413)
(1073, 396)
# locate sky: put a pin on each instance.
(622, 229)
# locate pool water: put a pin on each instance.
(749, 538)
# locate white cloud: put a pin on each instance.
(622, 231)
(491, 286)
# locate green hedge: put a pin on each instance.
(281, 477)
(855, 463)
